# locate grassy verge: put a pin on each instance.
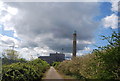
(66, 76)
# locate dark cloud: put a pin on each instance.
(52, 24)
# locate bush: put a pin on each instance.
(71, 68)
(55, 64)
(6, 61)
(31, 71)
(102, 63)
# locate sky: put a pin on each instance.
(40, 28)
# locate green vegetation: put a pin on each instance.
(11, 56)
(102, 63)
(19, 69)
(6, 61)
(55, 64)
(0, 69)
(30, 71)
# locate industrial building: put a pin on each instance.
(59, 57)
(54, 57)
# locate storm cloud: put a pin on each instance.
(52, 24)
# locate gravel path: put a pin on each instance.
(53, 74)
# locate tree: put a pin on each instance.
(10, 54)
(109, 57)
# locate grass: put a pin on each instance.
(66, 76)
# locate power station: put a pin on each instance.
(59, 57)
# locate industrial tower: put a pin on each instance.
(74, 44)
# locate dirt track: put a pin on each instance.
(52, 74)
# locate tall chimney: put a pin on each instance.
(74, 44)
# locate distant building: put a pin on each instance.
(54, 57)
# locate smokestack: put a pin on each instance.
(74, 44)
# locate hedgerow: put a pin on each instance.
(102, 63)
(30, 71)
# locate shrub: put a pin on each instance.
(102, 63)
(55, 64)
(31, 71)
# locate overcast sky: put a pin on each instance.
(45, 27)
